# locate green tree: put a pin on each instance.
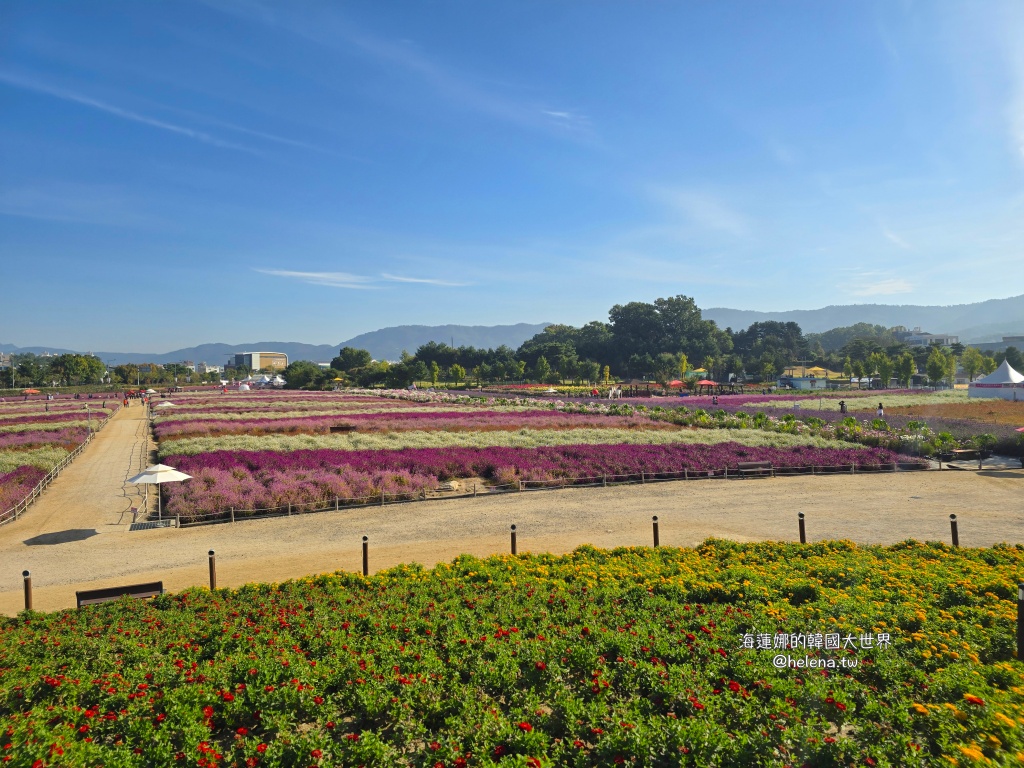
(542, 369)
(858, 369)
(684, 365)
(457, 372)
(971, 361)
(302, 374)
(607, 374)
(905, 368)
(988, 365)
(590, 371)
(848, 367)
(767, 369)
(435, 372)
(350, 357)
(936, 366)
(950, 366)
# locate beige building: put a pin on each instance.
(256, 361)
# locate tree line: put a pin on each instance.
(659, 341)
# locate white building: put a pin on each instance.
(205, 368)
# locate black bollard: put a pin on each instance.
(27, 575)
(366, 556)
(657, 540)
(952, 527)
(213, 570)
(803, 532)
(513, 539)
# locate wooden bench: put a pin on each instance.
(140, 591)
(756, 469)
(964, 453)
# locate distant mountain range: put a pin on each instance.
(980, 322)
(385, 344)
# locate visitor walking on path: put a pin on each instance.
(880, 412)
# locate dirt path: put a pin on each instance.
(91, 495)
(865, 508)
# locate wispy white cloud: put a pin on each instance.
(423, 280)
(29, 84)
(703, 209)
(332, 279)
(877, 284)
(73, 203)
(333, 29)
(361, 282)
(896, 239)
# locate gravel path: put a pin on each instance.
(77, 536)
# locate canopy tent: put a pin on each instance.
(705, 383)
(243, 387)
(264, 379)
(1004, 383)
(675, 383)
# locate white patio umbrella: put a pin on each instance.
(150, 391)
(156, 474)
(165, 404)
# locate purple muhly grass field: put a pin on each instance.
(314, 478)
(77, 414)
(70, 437)
(392, 422)
(17, 484)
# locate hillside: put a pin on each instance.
(383, 344)
(983, 321)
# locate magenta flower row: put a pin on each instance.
(17, 484)
(314, 478)
(382, 422)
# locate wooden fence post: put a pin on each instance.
(803, 532)
(213, 570)
(27, 575)
(954, 531)
(513, 539)
(366, 556)
(232, 514)
(657, 540)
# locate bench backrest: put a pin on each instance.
(754, 465)
(105, 595)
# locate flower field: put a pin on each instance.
(897, 656)
(275, 450)
(36, 435)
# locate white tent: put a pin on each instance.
(1004, 383)
(243, 387)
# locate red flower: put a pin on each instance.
(540, 665)
(318, 700)
(525, 727)
(261, 748)
(316, 753)
(533, 762)
(500, 750)
(352, 736)
(207, 711)
(578, 744)
(971, 699)
(329, 724)
(243, 731)
(734, 686)
(435, 746)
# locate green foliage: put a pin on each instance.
(630, 656)
(350, 358)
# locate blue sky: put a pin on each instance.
(189, 172)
